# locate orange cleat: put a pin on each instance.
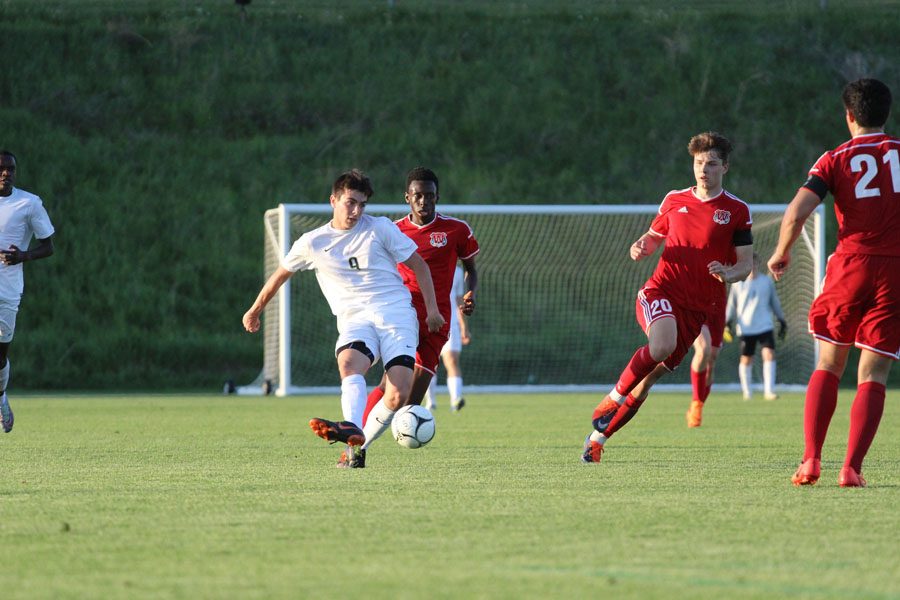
(592, 451)
(808, 472)
(695, 414)
(604, 413)
(850, 478)
(344, 431)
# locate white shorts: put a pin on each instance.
(8, 312)
(454, 342)
(388, 335)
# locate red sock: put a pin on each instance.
(708, 386)
(821, 400)
(638, 367)
(628, 409)
(371, 400)
(865, 415)
(698, 385)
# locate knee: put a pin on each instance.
(661, 349)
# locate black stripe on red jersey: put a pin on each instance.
(742, 237)
(816, 185)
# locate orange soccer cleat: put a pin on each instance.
(344, 431)
(604, 414)
(695, 414)
(593, 451)
(850, 478)
(808, 472)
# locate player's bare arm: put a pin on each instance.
(268, 291)
(803, 204)
(433, 318)
(645, 246)
(736, 272)
(15, 255)
(471, 278)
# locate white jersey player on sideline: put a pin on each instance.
(355, 258)
(459, 336)
(22, 216)
(751, 304)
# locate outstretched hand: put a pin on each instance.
(468, 304)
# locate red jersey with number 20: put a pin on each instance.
(863, 175)
(696, 233)
(440, 243)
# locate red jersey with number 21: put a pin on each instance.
(440, 243)
(696, 233)
(863, 175)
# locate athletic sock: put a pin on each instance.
(745, 373)
(353, 398)
(865, 415)
(821, 400)
(430, 401)
(769, 377)
(4, 377)
(623, 415)
(379, 422)
(638, 367)
(373, 398)
(698, 385)
(454, 387)
(708, 387)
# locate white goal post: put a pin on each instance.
(555, 306)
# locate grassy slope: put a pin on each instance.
(199, 496)
(158, 132)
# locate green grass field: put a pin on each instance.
(226, 497)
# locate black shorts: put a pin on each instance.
(765, 339)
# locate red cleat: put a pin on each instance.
(850, 478)
(808, 472)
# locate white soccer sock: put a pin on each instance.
(429, 394)
(615, 395)
(454, 387)
(769, 377)
(4, 377)
(745, 372)
(598, 437)
(353, 398)
(378, 422)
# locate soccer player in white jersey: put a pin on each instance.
(751, 304)
(355, 258)
(22, 216)
(459, 337)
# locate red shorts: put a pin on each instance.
(428, 352)
(653, 304)
(859, 303)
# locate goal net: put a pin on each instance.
(556, 300)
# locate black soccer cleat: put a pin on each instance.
(344, 431)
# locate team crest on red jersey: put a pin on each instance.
(722, 217)
(439, 239)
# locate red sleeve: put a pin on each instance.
(468, 245)
(824, 170)
(660, 224)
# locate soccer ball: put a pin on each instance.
(413, 426)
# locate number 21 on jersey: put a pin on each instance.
(868, 165)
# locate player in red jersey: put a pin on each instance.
(708, 242)
(441, 241)
(860, 301)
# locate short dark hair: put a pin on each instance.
(354, 179)
(8, 153)
(869, 101)
(422, 174)
(710, 140)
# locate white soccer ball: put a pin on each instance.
(413, 426)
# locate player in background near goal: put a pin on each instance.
(22, 216)
(355, 258)
(751, 304)
(459, 337)
(707, 242)
(860, 300)
(441, 241)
